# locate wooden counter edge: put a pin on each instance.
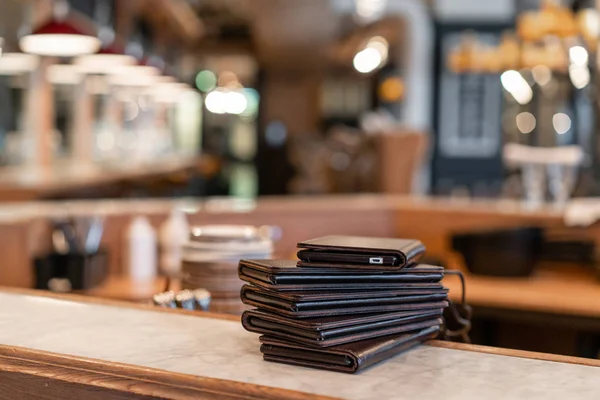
(515, 353)
(36, 373)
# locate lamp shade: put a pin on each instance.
(64, 74)
(61, 38)
(168, 92)
(103, 63)
(17, 63)
(134, 75)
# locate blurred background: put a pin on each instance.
(470, 125)
(311, 97)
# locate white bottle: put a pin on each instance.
(173, 234)
(140, 250)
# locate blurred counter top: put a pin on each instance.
(552, 289)
(23, 226)
(262, 205)
(62, 347)
(21, 183)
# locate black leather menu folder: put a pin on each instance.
(344, 252)
(284, 275)
(349, 357)
(324, 305)
(326, 334)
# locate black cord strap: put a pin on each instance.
(462, 282)
(460, 314)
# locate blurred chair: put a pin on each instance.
(348, 160)
(352, 166)
(400, 155)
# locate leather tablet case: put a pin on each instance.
(299, 307)
(284, 275)
(279, 327)
(350, 357)
(408, 251)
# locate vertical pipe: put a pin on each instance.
(417, 107)
(39, 116)
(81, 134)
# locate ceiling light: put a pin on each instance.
(64, 74)
(17, 63)
(578, 55)
(215, 102)
(134, 75)
(515, 84)
(580, 75)
(380, 44)
(235, 102)
(66, 34)
(367, 60)
(168, 92)
(561, 123)
(102, 63)
(369, 10)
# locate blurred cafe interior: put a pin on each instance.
(139, 136)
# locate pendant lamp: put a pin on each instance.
(17, 63)
(134, 75)
(66, 34)
(112, 52)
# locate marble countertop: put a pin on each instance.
(222, 349)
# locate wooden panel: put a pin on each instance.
(17, 246)
(26, 374)
(22, 386)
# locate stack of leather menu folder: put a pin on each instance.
(349, 302)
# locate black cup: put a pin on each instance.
(83, 271)
(502, 252)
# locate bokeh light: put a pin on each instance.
(367, 60)
(391, 89)
(215, 102)
(235, 102)
(525, 122)
(252, 104)
(206, 81)
(561, 123)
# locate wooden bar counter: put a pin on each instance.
(565, 299)
(69, 348)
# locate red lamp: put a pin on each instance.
(67, 34)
